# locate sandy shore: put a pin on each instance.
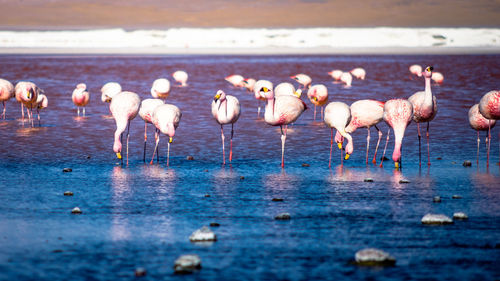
(256, 51)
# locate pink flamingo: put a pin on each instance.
(415, 69)
(398, 114)
(41, 102)
(249, 84)
(124, 108)
(27, 93)
(365, 114)
(318, 95)
(437, 77)
(181, 77)
(285, 88)
(146, 113)
(236, 80)
(6, 92)
(166, 118)
(336, 74)
(359, 73)
(160, 88)
(346, 78)
(337, 116)
(489, 107)
(424, 110)
(281, 111)
(257, 89)
(479, 123)
(109, 90)
(225, 110)
(80, 97)
(303, 79)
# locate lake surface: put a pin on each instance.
(141, 215)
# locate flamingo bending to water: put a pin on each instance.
(415, 69)
(318, 95)
(338, 116)
(80, 97)
(146, 113)
(249, 84)
(336, 74)
(359, 73)
(27, 93)
(41, 102)
(437, 77)
(109, 90)
(479, 123)
(181, 77)
(6, 92)
(160, 88)
(303, 79)
(124, 108)
(166, 118)
(489, 107)
(346, 78)
(226, 110)
(398, 114)
(286, 89)
(235, 79)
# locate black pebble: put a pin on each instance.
(467, 163)
(277, 199)
(66, 170)
(214, 224)
(305, 165)
(190, 157)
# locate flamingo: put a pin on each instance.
(338, 116)
(27, 93)
(479, 123)
(318, 95)
(398, 114)
(257, 89)
(281, 111)
(336, 74)
(160, 88)
(181, 77)
(80, 97)
(415, 69)
(249, 83)
(365, 114)
(285, 88)
(346, 78)
(6, 92)
(303, 79)
(424, 110)
(41, 103)
(359, 73)
(166, 118)
(225, 110)
(235, 79)
(146, 112)
(489, 107)
(124, 108)
(109, 90)
(437, 77)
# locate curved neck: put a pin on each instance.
(269, 114)
(428, 92)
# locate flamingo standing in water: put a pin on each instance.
(257, 89)
(489, 107)
(109, 90)
(338, 116)
(236, 80)
(415, 69)
(160, 88)
(41, 102)
(346, 78)
(225, 110)
(249, 84)
(398, 114)
(286, 89)
(318, 95)
(437, 77)
(80, 97)
(479, 123)
(424, 110)
(6, 92)
(124, 108)
(281, 111)
(166, 118)
(303, 79)
(181, 77)
(146, 113)
(335, 74)
(359, 73)
(27, 93)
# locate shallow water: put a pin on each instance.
(141, 215)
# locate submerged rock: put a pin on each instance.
(460, 216)
(189, 157)
(283, 216)
(76, 210)
(368, 180)
(437, 199)
(68, 193)
(467, 163)
(187, 264)
(305, 165)
(373, 257)
(67, 170)
(404, 181)
(214, 224)
(456, 197)
(203, 234)
(140, 271)
(436, 219)
(242, 177)
(277, 200)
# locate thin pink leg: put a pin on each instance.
(342, 154)
(428, 146)
(3, 114)
(477, 152)
(374, 161)
(314, 112)
(419, 153)
(22, 110)
(283, 140)
(385, 147)
(157, 140)
(322, 109)
(231, 144)
(128, 137)
(145, 140)
(367, 144)
(331, 146)
(488, 150)
(168, 153)
(223, 151)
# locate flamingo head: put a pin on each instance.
(428, 72)
(30, 93)
(81, 86)
(220, 96)
(298, 93)
(266, 93)
(117, 148)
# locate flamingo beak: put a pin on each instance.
(29, 94)
(347, 156)
(217, 97)
(298, 93)
(396, 165)
(170, 140)
(119, 155)
(339, 144)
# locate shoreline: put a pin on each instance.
(254, 51)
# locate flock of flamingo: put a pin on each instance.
(283, 107)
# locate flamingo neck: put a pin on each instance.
(223, 113)
(171, 130)
(349, 146)
(269, 114)
(398, 140)
(428, 92)
(120, 128)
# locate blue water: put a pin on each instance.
(141, 215)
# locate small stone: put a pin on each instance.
(76, 210)
(436, 199)
(242, 178)
(404, 181)
(207, 195)
(436, 219)
(456, 197)
(460, 216)
(439, 158)
(283, 216)
(67, 170)
(305, 165)
(373, 257)
(189, 157)
(68, 193)
(203, 234)
(214, 224)
(187, 264)
(368, 180)
(140, 271)
(277, 200)
(88, 156)
(467, 163)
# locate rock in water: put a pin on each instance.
(467, 163)
(368, 180)
(203, 234)
(140, 271)
(187, 264)
(68, 193)
(404, 181)
(283, 216)
(374, 257)
(76, 210)
(436, 219)
(67, 170)
(437, 199)
(460, 216)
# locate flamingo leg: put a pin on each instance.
(314, 113)
(231, 144)
(78, 111)
(223, 151)
(258, 110)
(128, 136)
(331, 146)
(3, 113)
(121, 141)
(488, 149)
(374, 161)
(22, 110)
(322, 110)
(168, 153)
(428, 146)
(145, 140)
(342, 154)
(477, 152)
(84, 112)
(419, 153)
(31, 116)
(385, 147)
(367, 144)
(283, 139)
(157, 140)
(157, 135)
